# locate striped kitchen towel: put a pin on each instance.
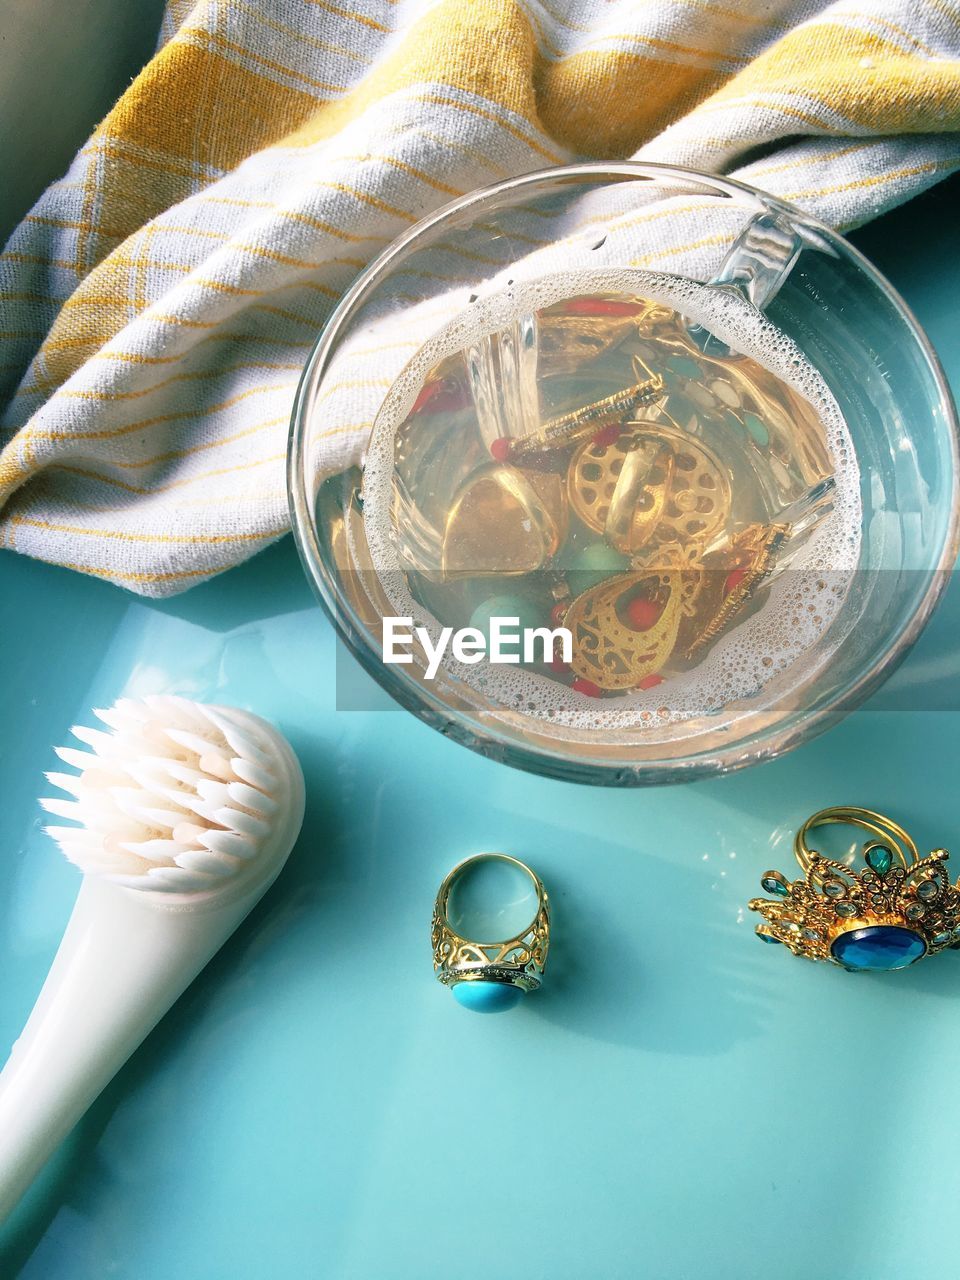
(159, 301)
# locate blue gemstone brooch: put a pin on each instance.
(896, 909)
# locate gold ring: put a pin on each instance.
(889, 835)
(897, 909)
(490, 976)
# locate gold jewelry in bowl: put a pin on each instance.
(504, 522)
(897, 909)
(490, 976)
(613, 648)
(595, 473)
(730, 578)
(600, 415)
(653, 482)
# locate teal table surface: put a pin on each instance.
(678, 1101)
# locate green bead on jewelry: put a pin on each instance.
(879, 859)
(592, 564)
(505, 606)
(756, 428)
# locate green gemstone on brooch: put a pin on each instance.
(880, 859)
(774, 882)
(756, 428)
(590, 564)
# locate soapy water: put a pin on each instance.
(777, 640)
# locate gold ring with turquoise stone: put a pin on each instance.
(490, 976)
(895, 910)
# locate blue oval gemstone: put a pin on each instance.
(483, 996)
(879, 947)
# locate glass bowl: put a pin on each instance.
(845, 318)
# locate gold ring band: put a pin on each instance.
(885, 829)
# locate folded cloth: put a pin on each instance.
(159, 301)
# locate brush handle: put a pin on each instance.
(126, 956)
(122, 963)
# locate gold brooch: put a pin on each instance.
(894, 911)
(729, 580)
(608, 413)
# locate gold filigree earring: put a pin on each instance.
(624, 629)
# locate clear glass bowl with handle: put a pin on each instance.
(693, 238)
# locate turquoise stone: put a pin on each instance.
(486, 997)
(765, 937)
(592, 563)
(756, 428)
(506, 606)
(880, 859)
(878, 947)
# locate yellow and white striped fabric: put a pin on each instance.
(159, 300)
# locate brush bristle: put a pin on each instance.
(172, 795)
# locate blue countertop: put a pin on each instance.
(678, 1101)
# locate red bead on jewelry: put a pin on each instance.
(501, 449)
(444, 395)
(642, 613)
(650, 682)
(586, 687)
(427, 393)
(607, 435)
(601, 307)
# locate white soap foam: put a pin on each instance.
(800, 604)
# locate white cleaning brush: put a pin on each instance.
(185, 815)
